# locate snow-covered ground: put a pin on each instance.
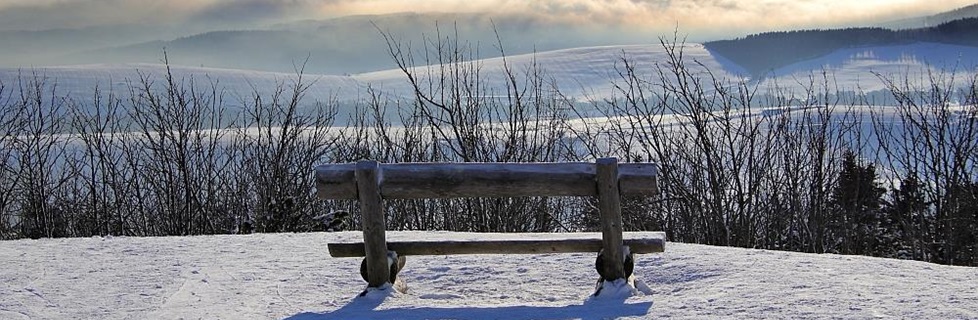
(269, 276)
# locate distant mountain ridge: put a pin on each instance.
(341, 45)
(344, 45)
(933, 20)
(764, 52)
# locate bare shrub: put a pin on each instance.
(928, 139)
(457, 115)
(278, 142)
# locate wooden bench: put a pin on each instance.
(370, 182)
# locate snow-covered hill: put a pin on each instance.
(580, 72)
(577, 72)
(854, 67)
(267, 276)
(584, 73)
(80, 81)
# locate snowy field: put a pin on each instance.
(582, 73)
(277, 276)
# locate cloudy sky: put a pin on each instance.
(709, 16)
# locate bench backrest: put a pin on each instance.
(464, 180)
(370, 182)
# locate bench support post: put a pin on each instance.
(609, 205)
(374, 239)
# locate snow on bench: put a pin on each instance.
(370, 182)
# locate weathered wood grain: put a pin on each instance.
(460, 180)
(609, 206)
(372, 209)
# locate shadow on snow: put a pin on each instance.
(364, 308)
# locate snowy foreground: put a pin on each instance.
(269, 276)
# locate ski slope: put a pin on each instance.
(291, 276)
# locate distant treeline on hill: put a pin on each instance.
(761, 53)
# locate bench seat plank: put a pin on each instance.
(448, 243)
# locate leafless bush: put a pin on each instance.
(10, 126)
(928, 140)
(731, 171)
(275, 149)
(103, 185)
(179, 156)
(457, 115)
(38, 151)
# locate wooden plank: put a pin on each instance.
(643, 242)
(459, 180)
(609, 206)
(336, 181)
(372, 208)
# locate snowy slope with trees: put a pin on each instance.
(580, 73)
(266, 276)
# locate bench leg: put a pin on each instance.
(396, 264)
(628, 268)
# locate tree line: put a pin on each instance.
(813, 172)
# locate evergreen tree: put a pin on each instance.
(906, 223)
(855, 208)
(960, 243)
